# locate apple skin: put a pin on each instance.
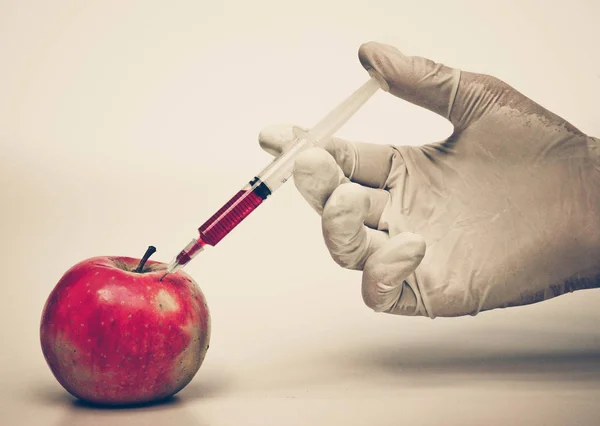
(112, 336)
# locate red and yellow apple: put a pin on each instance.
(113, 332)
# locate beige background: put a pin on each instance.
(127, 123)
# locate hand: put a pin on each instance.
(504, 212)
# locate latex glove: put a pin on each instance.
(505, 212)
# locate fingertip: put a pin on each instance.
(349, 202)
(274, 138)
(404, 251)
(347, 239)
(314, 161)
(373, 55)
(315, 169)
(316, 176)
(365, 53)
(387, 269)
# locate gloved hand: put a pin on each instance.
(504, 212)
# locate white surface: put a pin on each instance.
(108, 112)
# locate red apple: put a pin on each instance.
(113, 332)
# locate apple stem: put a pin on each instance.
(147, 255)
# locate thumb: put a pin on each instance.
(417, 80)
(383, 285)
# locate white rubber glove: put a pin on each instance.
(505, 212)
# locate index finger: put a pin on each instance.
(363, 163)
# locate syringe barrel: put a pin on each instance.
(252, 195)
(233, 212)
(282, 167)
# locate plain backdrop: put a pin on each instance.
(128, 123)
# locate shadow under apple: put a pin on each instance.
(50, 393)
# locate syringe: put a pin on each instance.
(274, 175)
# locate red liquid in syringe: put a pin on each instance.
(229, 216)
(226, 218)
